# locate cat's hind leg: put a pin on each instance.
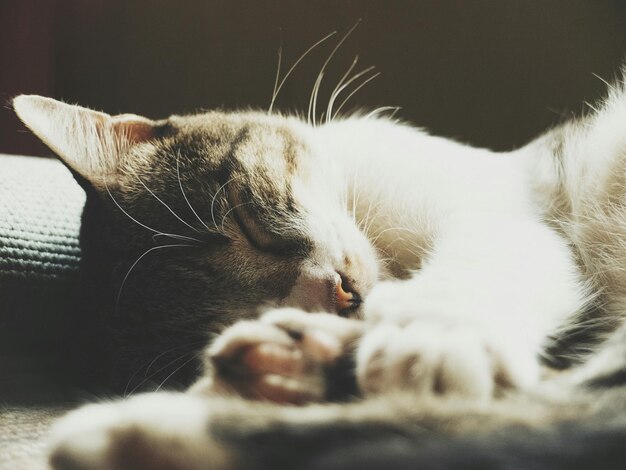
(148, 431)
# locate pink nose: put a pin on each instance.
(329, 292)
(343, 300)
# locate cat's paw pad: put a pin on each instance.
(441, 359)
(150, 431)
(282, 357)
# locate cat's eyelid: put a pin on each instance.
(247, 230)
(263, 240)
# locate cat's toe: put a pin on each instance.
(258, 360)
(283, 357)
(253, 348)
(439, 359)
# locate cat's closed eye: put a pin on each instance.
(267, 238)
(190, 210)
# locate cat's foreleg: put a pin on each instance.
(473, 322)
(285, 356)
(475, 318)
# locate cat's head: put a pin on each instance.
(214, 214)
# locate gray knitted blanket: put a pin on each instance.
(40, 210)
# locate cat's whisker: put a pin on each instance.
(333, 95)
(180, 184)
(353, 92)
(383, 109)
(186, 345)
(610, 86)
(338, 91)
(318, 81)
(170, 375)
(171, 235)
(126, 213)
(387, 259)
(177, 237)
(143, 255)
(277, 77)
(590, 322)
(312, 98)
(162, 202)
(365, 227)
(420, 255)
(365, 222)
(231, 210)
(591, 106)
(160, 369)
(282, 82)
(153, 361)
(389, 229)
(214, 198)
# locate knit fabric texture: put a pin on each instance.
(40, 215)
(39, 219)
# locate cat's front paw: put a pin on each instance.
(159, 430)
(429, 345)
(441, 359)
(286, 356)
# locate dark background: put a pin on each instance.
(490, 72)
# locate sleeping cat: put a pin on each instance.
(425, 281)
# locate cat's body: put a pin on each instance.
(470, 265)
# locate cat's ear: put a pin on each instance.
(90, 142)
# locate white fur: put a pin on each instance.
(466, 217)
(166, 430)
(481, 276)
